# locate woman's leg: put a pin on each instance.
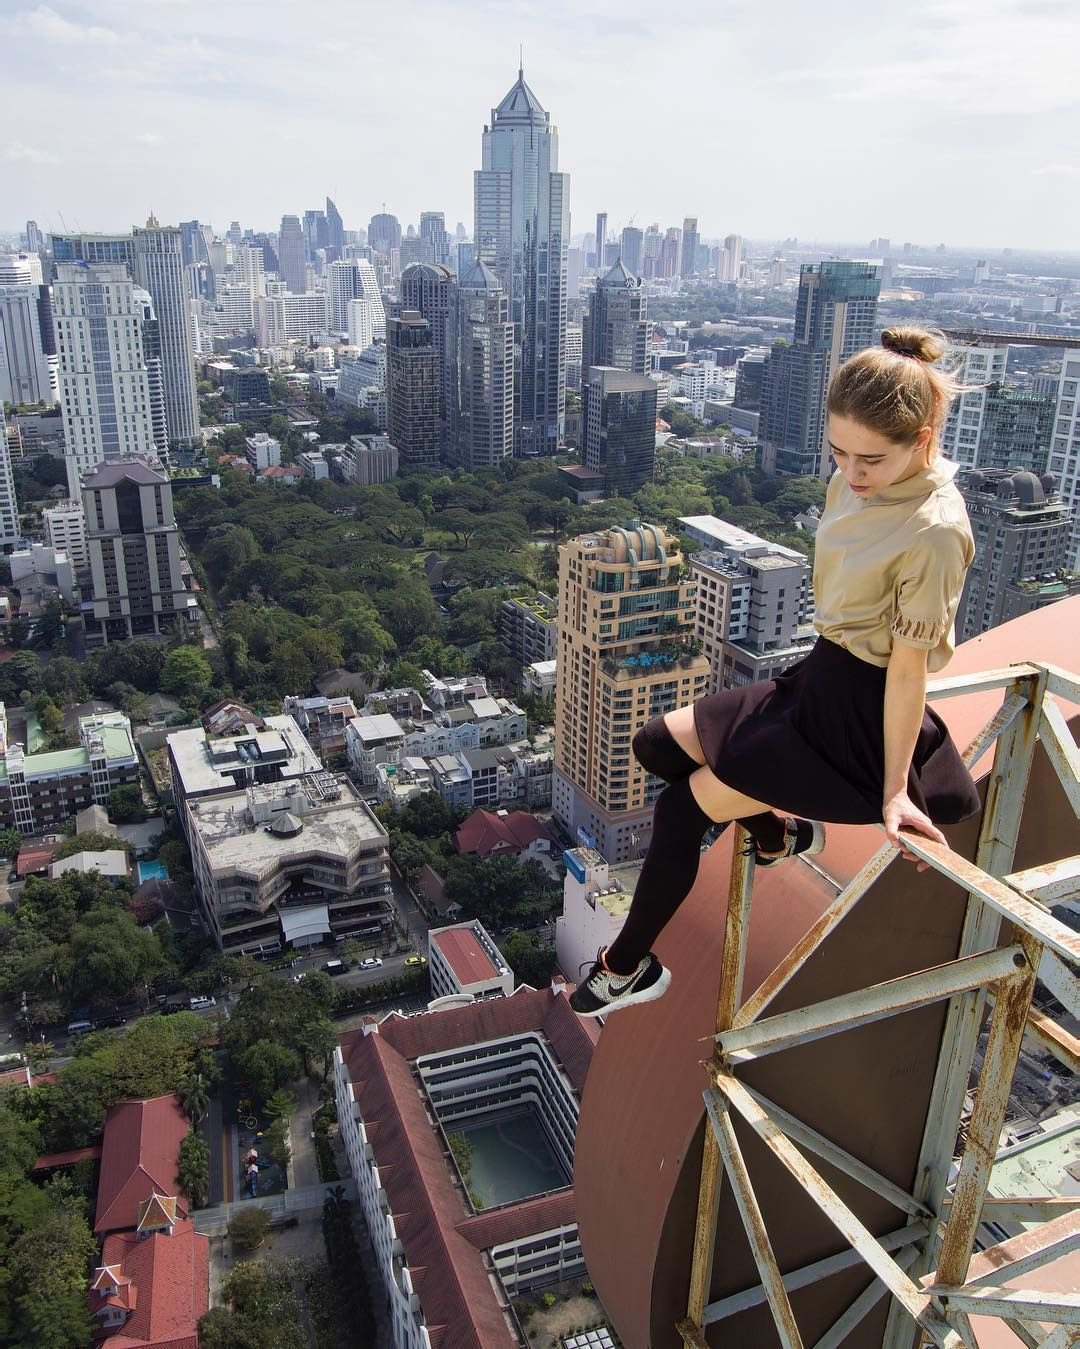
(684, 811)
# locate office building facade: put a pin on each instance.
(29, 371)
(412, 389)
(291, 254)
(626, 654)
(522, 225)
(835, 316)
(1016, 431)
(688, 255)
(428, 288)
(481, 372)
(1065, 448)
(615, 332)
(619, 428)
(159, 269)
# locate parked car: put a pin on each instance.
(111, 1019)
(80, 1027)
(333, 967)
(371, 962)
(13, 876)
(201, 1001)
(415, 960)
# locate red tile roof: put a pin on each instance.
(138, 1158)
(440, 1239)
(34, 859)
(48, 1160)
(484, 833)
(464, 954)
(169, 1288)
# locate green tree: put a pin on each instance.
(111, 955)
(248, 1228)
(194, 1097)
(266, 1067)
(276, 1142)
(186, 671)
(281, 1105)
(193, 1169)
(10, 843)
(125, 804)
(47, 1269)
(531, 961)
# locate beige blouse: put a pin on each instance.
(890, 568)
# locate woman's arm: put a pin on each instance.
(905, 700)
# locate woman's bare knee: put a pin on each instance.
(719, 801)
(681, 728)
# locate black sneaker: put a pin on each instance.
(800, 837)
(604, 992)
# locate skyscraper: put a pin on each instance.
(601, 238)
(688, 261)
(291, 254)
(626, 621)
(110, 405)
(616, 331)
(159, 269)
(335, 232)
(619, 428)
(28, 364)
(365, 315)
(412, 390)
(1065, 448)
(35, 237)
(522, 222)
(975, 369)
(342, 285)
(481, 371)
(316, 233)
(96, 248)
(428, 289)
(834, 318)
(731, 258)
(384, 233)
(670, 251)
(630, 244)
(433, 233)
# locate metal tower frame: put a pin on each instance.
(928, 1265)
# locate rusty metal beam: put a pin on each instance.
(1061, 981)
(998, 724)
(864, 1005)
(902, 1240)
(787, 1329)
(863, 1305)
(1062, 683)
(916, 1302)
(1030, 1304)
(953, 686)
(1061, 750)
(1064, 1337)
(1040, 1210)
(1027, 1251)
(1051, 883)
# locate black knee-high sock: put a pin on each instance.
(658, 752)
(667, 874)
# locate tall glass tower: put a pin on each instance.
(159, 269)
(522, 208)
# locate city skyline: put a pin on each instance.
(967, 96)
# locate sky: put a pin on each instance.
(950, 121)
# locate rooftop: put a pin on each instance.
(164, 1280)
(467, 949)
(138, 1158)
(208, 765)
(373, 730)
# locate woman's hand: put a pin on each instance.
(900, 812)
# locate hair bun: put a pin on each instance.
(914, 342)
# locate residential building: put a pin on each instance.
(323, 721)
(463, 960)
(139, 575)
(312, 464)
(291, 254)
(503, 834)
(975, 369)
(750, 378)
(538, 679)
(667, 266)
(362, 382)
(35, 237)
(110, 390)
(249, 269)
(600, 239)
(283, 851)
(1022, 532)
(159, 269)
(480, 376)
(263, 451)
(616, 330)
(596, 899)
(1017, 429)
(39, 793)
(368, 460)
(433, 232)
(402, 1086)
(1065, 448)
(528, 627)
(574, 341)
(396, 784)
(428, 289)
(630, 248)
(835, 316)
(619, 429)
(342, 286)
(754, 602)
(29, 369)
(731, 258)
(9, 506)
(65, 531)
(467, 779)
(40, 573)
(413, 382)
(522, 227)
(306, 316)
(688, 256)
(107, 250)
(626, 622)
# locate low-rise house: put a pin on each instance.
(493, 834)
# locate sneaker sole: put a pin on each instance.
(649, 994)
(817, 845)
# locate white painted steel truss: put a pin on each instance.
(929, 1267)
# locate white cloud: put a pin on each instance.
(49, 26)
(1056, 171)
(15, 152)
(149, 138)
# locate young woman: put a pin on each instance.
(845, 735)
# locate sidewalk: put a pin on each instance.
(303, 1169)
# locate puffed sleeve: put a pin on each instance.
(929, 585)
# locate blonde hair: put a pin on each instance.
(895, 389)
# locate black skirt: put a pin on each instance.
(811, 742)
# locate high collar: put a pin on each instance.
(918, 486)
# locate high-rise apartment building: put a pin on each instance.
(750, 379)
(342, 285)
(20, 269)
(1022, 533)
(754, 602)
(9, 506)
(481, 372)
(618, 419)
(630, 242)
(135, 560)
(1016, 431)
(601, 239)
(291, 254)
(670, 250)
(522, 224)
(975, 369)
(110, 380)
(731, 258)
(412, 390)
(650, 251)
(99, 249)
(428, 288)
(365, 316)
(688, 258)
(249, 268)
(35, 237)
(626, 621)
(433, 232)
(384, 233)
(316, 234)
(28, 362)
(65, 531)
(1065, 448)
(616, 330)
(834, 318)
(159, 269)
